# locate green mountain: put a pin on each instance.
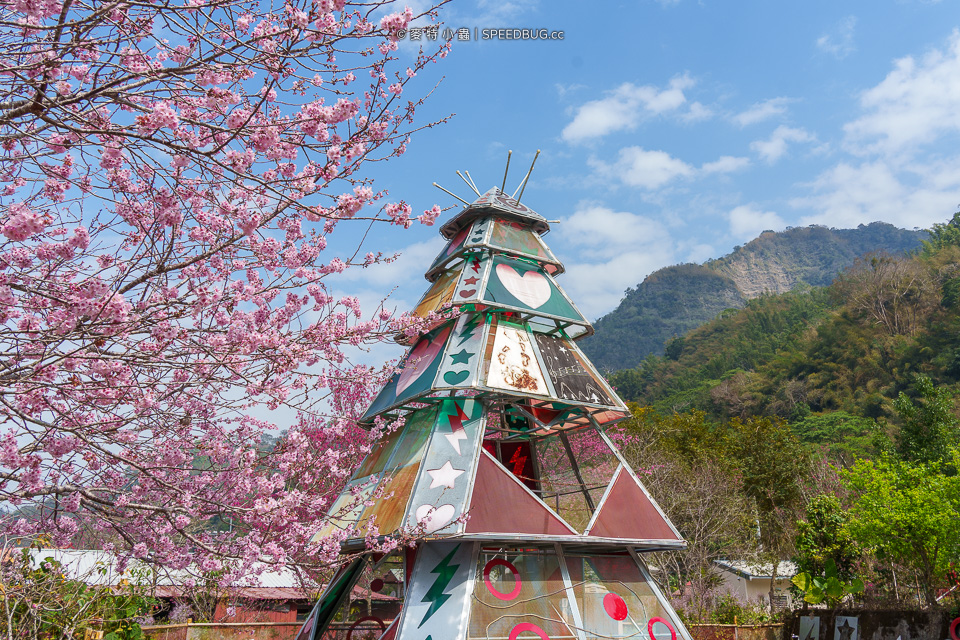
(676, 299)
(807, 354)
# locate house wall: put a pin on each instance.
(257, 611)
(756, 588)
(224, 631)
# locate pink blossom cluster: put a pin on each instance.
(162, 115)
(172, 178)
(395, 22)
(22, 222)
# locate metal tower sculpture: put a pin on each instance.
(530, 522)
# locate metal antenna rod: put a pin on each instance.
(524, 183)
(471, 181)
(451, 193)
(507, 168)
(468, 184)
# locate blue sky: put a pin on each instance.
(674, 131)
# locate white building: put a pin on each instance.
(751, 580)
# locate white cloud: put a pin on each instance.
(915, 108)
(696, 113)
(725, 164)
(838, 42)
(700, 253)
(615, 250)
(773, 148)
(847, 195)
(651, 170)
(564, 89)
(497, 9)
(747, 221)
(638, 167)
(761, 111)
(624, 107)
(594, 228)
(915, 104)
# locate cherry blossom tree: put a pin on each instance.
(171, 175)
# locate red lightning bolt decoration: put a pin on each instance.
(519, 462)
(457, 432)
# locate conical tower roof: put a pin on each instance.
(529, 519)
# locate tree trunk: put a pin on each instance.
(773, 582)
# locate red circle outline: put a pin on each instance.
(383, 626)
(528, 626)
(673, 632)
(516, 577)
(953, 629)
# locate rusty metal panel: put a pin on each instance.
(627, 512)
(513, 363)
(501, 503)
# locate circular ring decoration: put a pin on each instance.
(376, 585)
(953, 629)
(615, 606)
(528, 626)
(653, 621)
(498, 594)
(383, 627)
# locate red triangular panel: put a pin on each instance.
(501, 504)
(391, 632)
(628, 513)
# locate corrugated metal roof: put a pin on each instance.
(99, 568)
(274, 593)
(758, 570)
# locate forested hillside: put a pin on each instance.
(819, 425)
(852, 346)
(676, 299)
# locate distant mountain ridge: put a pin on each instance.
(679, 298)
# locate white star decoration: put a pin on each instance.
(445, 476)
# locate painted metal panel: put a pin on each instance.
(448, 468)
(521, 593)
(480, 233)
(470, 284)
(439, 294)
(570, 378)
(415, 375)
(513, 363)
(463, 355)
(627, 512)
(628, 470)
(501, 503)
(516, 238)
(438, 596)
(521, 285)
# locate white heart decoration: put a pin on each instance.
(434, 518)
(531, 288)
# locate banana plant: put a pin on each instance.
(829, 587)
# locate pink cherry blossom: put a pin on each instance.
(172, 178)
